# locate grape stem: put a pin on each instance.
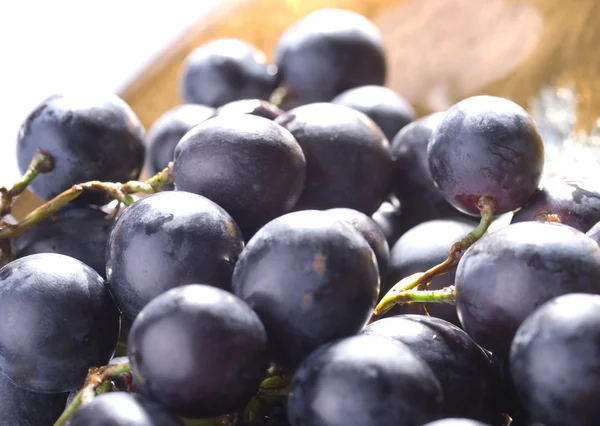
(41, 162)
(120, 191)
(403, 289)
(97, 382)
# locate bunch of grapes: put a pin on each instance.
(307, 252)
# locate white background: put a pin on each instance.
(52, 46)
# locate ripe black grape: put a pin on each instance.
(386, 108)
(327, 52)
(89, 136)
(486, 146)
(555, 361)
(249, 165)
(20, 407)
(166, 240)
(168, 130)
(311, 278)
(198, 350)
(463, 369)
(369, 229)
(122, 409)
(226, 70)
(456, 422)
(58, 320)
(348, 162)
(256, 107)
(507, 274)
(569, 201)
(366, 381)
(594, 233)
(420, 199)
(77, 231)
(389, 218)
(421, 248)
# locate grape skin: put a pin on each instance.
(486, 146)
(256, 107)
(59, 319)
(364, 381)
(507, 274)
(327, 52)
(311, 279)
(180, 238)
(89, 136)
(198, 350)
(226, 70)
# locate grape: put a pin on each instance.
(311, 278)
(347, 157)
(168, 129)
(421, 248)
(89, 136)
(456, 422)
(58, 319)
(198, 350)
(166, 240)
(77, 231)
(123, 409)
(420, 199)
(569, 201)
(385, 107)
(463, 369)
(256, 107)
(248, 165)
(327, 52)
(20, 407)
(507, 274)
(388, 217)
(486, 146)
(226, 70)
(370, 231)
(594, 233)
(555, 361)
(364, 380)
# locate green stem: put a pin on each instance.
(94, 384)
(486, 207)
(118, 191)
(41, 162)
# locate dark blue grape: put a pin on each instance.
(463, 369)
(371, 232)
(327, 52)
(20, 407)
(226, 70)
(89, 136)
(390, 111)
(486, 146)
(456, 422)
(389, 218)
(77, 231)
(348, 161)
(311, 278)
(249, 165)
(366, 381)
(420, 199)
(58, 321)
(198, 350)
(256, 107)
(421, 248)
(168, 130)
(166, 240)
(122, 409)
(570, 201)
(555, 361)
(507, 274)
